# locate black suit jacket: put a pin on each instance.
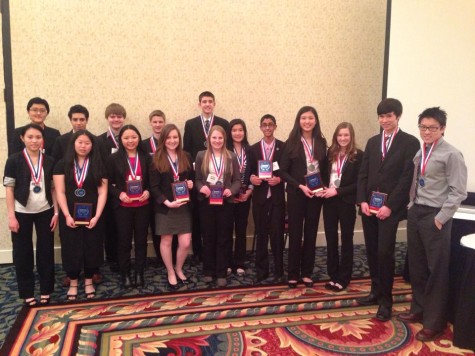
(194, 137)
(259, 194)
(145, 144)
(294, 169)
(349, 177)
(392, 176)
(117, 182)
(16, 167)
(161, 185)
(49, 137)
(60, 145)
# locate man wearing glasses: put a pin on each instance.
(38, 110)
(268, 201)
(439, 186)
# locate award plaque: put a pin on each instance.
(82, 214)
(376, 201)
(264, 169)
(314, 182)
(216, 196)
(180, 191)
(134, 189)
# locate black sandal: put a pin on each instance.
(91, 294)
(30, 302)
(70, 297)
(44, 300)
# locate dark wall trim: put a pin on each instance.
(386, 49)
(7, 68)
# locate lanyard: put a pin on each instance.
(204, 127)
(133, 170)
(308, 150)
(426, 155)
(35, 173)
(80, 173)
(112, 136)
(339, 164)
(218, 169)
(174, 167)
(386, 145)
(266, 157)
(153, 145)
(241, 158)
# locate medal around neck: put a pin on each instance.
(36, 189)
(264, 169)
(314, 182)
(376, 201)
(80, 193)
(82, 213)
(216, 195)
(180, 192)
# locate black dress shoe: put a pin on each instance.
(410, 317)
(308, 284)
(384, 313)
(370, 299)
(292, 284)
(426, 335)
(139, 279)
(126, 280)
(173, 286)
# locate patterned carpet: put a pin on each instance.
(10, 305)
(260, 320)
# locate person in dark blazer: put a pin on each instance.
(216, 167)
(386, 168)
(128, 172)
(78, 116)
(38, 110)
(237, 143)
(173, 217)
(339, 207)
(195, 137)
(157, 120)
(304, 153)
(115, 115)
(268, 202)
(31, 201)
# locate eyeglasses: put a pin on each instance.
(423, 128)
(40, 111)
(267, 126)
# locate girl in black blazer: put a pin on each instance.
(129, 191)
(237, 142)
(170, 165)
(30, 201)
(216, 167)
(304, 153)
(344, 161)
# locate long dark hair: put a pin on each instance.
(96, 165)
(122, 153)
(319, 141)
(230, 143)
(160, 159)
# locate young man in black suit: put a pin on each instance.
(387, 168)
(194, 140)
(78, 116)
(268, 202)
(38, 110)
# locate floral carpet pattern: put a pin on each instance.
(259, 320)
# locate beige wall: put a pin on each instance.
(256, 57)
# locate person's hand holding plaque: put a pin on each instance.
(306, 191)
(180, 191)
(273, 181)
(205, 191)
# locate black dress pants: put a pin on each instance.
(23, 253)
(269, 221)
(240, 217)
(380, 241)
(304, 215)
(132, 224)
(217, 229)
(336, 211)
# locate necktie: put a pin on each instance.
(207, 126)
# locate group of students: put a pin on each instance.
(127, 184)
